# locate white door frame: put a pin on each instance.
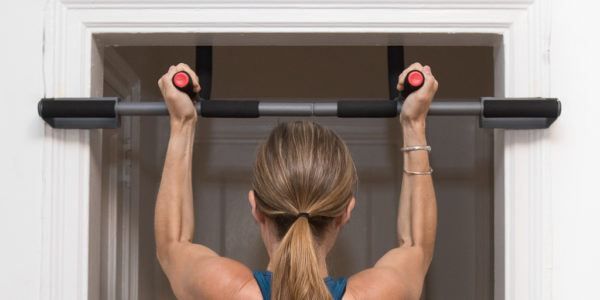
(76, 31)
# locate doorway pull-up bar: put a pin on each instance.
(86, 113)
(105, 112)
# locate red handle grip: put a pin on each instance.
(414, 80)
(183, 82)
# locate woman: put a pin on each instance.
(302, 194)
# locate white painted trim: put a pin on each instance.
(67, 162)
(70, 50)
(296, 4)
(526, 165)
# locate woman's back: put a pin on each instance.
(302, 194)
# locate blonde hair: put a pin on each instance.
(302, 167)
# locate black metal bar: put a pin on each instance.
(395, 59)
(204, 70)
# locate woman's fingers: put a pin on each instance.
(178, 104)
(430, 81)
(431, 84)
(165, 80)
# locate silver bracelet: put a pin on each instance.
(415, 148)
(419, 173)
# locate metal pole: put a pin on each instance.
(446, 107)
(141, 108)
(454, 108)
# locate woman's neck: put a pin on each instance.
(321, 257)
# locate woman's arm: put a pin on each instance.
(174, 214)
(417, 213)
(400, 272)
(191, 268)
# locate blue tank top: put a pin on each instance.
(337, 287)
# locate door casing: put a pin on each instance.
(76, 32)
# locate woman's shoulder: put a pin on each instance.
(375, 283)
(250, 290)
(226, 278)
(244, 284)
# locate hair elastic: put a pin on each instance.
(303, 214)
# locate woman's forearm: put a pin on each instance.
(174, 215)
(417, 217)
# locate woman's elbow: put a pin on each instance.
(164, 253)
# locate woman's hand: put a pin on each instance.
(416, 105)
(181, 108)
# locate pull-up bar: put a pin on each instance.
(513, 113)
(84, 113)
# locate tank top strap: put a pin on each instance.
(337, 287)
(263, 278)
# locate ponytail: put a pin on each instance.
(296, 272)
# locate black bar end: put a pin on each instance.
(519, 113)
(79, 113)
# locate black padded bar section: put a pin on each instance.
(204, 70)
(77, 108)
(229, 109)
(521, 108)
(367, 109)
(395, 59)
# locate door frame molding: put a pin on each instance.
(115, 249)
(77, 30)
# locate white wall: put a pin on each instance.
(574, 140)
(21, 152)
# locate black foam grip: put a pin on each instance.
(74, 108)
(547, 108)
(367, 109)
(229, 109)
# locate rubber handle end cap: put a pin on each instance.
(181, 79)
(415, 78)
